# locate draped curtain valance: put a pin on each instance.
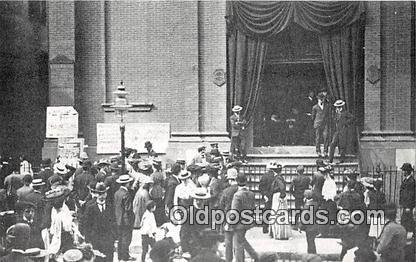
(265, 19)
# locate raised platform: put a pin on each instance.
(292, 155)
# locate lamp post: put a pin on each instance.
(121, 107)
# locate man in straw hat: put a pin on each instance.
(189, 230)
(237, 137)
(17, 241)
(123, 203)
(100, 223)
(407, 198)
(343, 120)
(243, 199)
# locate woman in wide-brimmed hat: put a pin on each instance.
(59, 236)
(183, 192)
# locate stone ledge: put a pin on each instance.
(136, 107)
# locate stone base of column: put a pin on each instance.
(387, 148)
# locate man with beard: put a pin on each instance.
(100, 224)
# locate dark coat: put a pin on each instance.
(407, 192)
(206, 255)
(265, 185)
(236, 125)
(392, 242)
(227, 198)
(170, 191)
(342, 121)
(15, 257)
(243, 199)
(100, 227)
(123, 203)
(299, 185)
(320, 116)
(45, 174)
(317, 183)
(81, 183)
(110, 181)
(279, 186)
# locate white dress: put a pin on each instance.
(281, 229)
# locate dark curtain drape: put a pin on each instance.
(342, 52)
(251, 24)
(246, 60)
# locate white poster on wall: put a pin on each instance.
(61, 121)
(405, 156)
(109, 137)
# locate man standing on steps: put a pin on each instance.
(238, 142)
(320, 114)
(342, 120)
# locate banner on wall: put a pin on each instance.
(109, 138)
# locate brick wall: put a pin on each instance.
(212, 56)
(395, 65)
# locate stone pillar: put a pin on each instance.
(61, 24)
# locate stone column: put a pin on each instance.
(61, 23)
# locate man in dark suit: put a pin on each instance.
(266, 190)
(318, 180)
(407, 197)
(343, 120)
(100, 224)
(172, 183)
(243, 199)
(123, 203)
(299, 184)
(82, 181)
(237, 136)
(320, 114)
(46, 171)
(309, 102)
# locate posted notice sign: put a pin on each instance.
(108, 137)
(61, 121)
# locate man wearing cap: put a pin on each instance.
(200, 159)
(225, 205)
(243, 199)
(104, 171)
(100, 224)
(407, 197)
(111, 182)
(123, 204)
(37, 198)
(237, 136)
(26, 214)
(343, 120)
(150, 152)
(320, 114)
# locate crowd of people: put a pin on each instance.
(89, 213)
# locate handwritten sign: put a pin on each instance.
(70, 151)
(108, 137)
(61, 121)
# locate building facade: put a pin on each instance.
(167, 53)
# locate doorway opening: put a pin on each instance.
(292, 77)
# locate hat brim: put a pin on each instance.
(339, 104)
(39, 184)
(65, 193)
(124, 181)
(184, 177)
(201, 197)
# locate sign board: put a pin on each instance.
(61, 121)
(70, 151)
(405, 156)
(108, 137)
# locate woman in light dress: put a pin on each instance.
(281, 228)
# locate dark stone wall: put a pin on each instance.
(23, 78)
